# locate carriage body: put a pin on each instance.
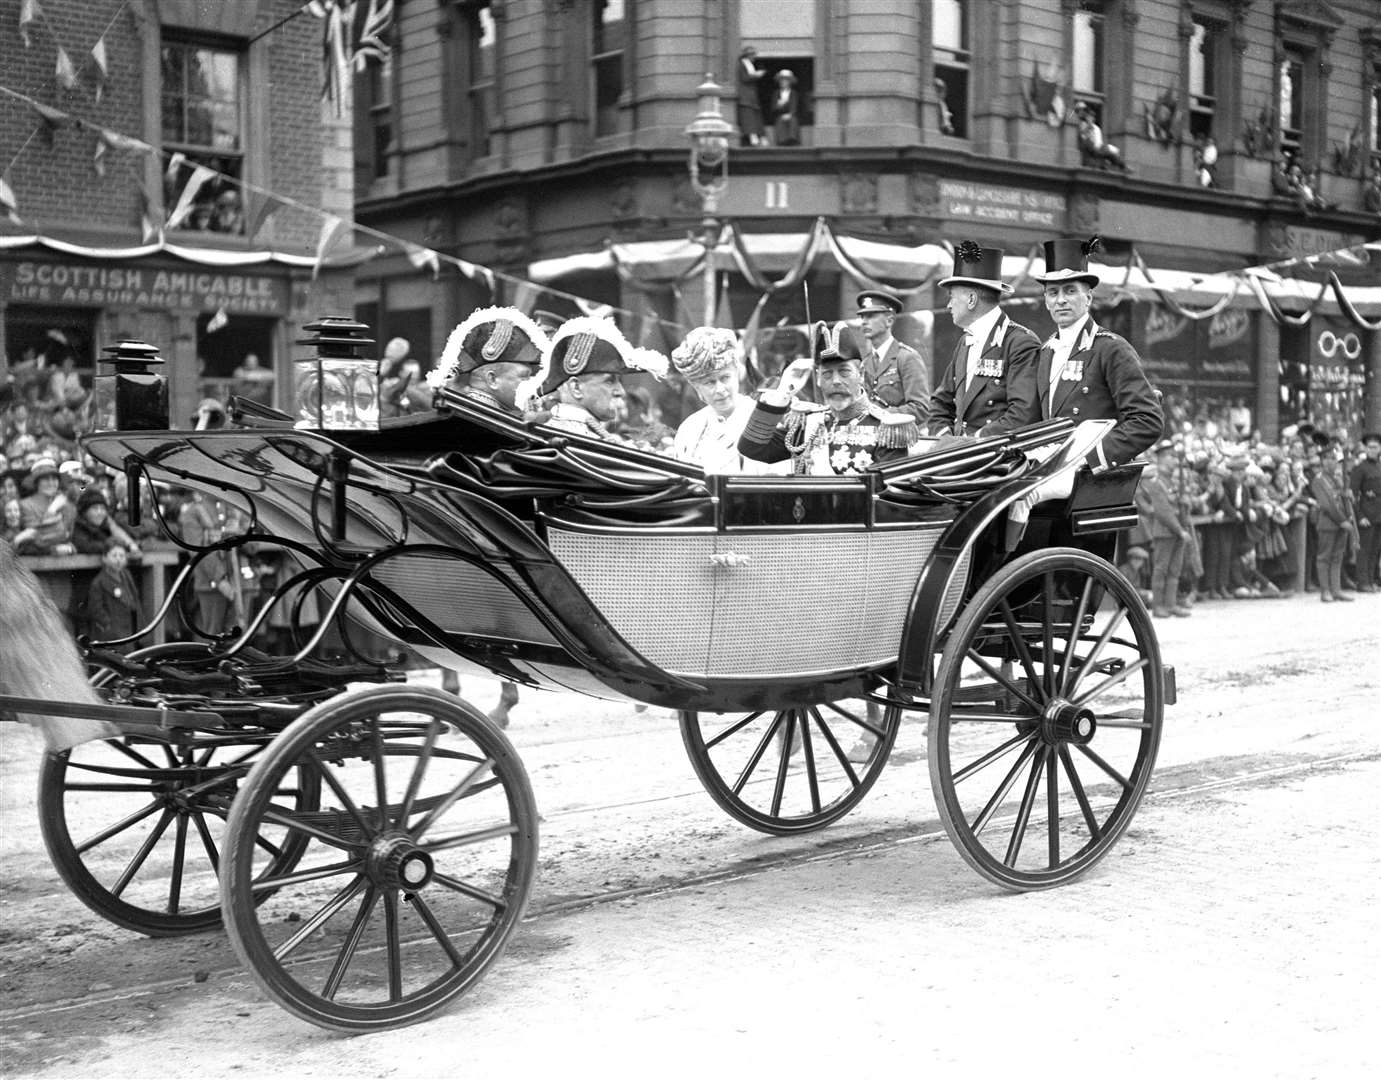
(779, 617)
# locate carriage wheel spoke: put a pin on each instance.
(419, 769)
(493, 832)
(1077, 674)
(199, 816)
(1019, 642)
(130, 752)
(758, 751)
(1076, 786)
(987, 759)
(434, 925)
(437, 812)
(732, 729)
(1092, 755)
(288, 819)
(395, 960)
(1112, 680)
(119, 827)
(1028, 800)
(1048, 631)
(838, 752)
(346, 802)
(1075, 632)
(783, 763)
(1005, 680)
(1052, 809)
(853, 717)
(985, 815)
(315, 873)
(141, 856)
(472, 891)
(351, 944)
(179, 862)
(380, 779)
(808, 747)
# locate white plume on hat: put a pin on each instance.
(450, 355)
(648, 360)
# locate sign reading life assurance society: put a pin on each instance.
(43, 281)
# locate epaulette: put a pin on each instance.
(1101, 332)
(896, 430)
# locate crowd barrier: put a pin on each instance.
(62, 576)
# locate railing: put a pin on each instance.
(61, 574)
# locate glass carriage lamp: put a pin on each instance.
(337, 388)
(132, 398)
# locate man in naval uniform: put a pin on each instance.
(1086, 372)
(990, 384)
(585, 364)
(840, 438)
(491, 353)
(894, 374)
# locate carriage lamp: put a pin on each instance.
(337, 388)
(132, 397)
(710, 136)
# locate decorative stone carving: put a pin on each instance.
(1083, 212)
(623, 203)
(1163, 118)
(514, 230)
(858, 193)
(436, 232)
(924, 191)
(1275, 239)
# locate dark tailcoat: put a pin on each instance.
(990, 404)
(1103, 381)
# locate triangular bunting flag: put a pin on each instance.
(116, 141)
(66, 73)
(260, 207)
(420, 257)
(28, 12)
(331, 229)
(102, 67)
(9, 203)
(50, 118)
(198, 180)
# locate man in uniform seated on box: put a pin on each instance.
(990, 384)
(585, 365)
(492, 353)
(840, 438)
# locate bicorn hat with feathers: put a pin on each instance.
(591, 346)
(491, 335)
(831, 344)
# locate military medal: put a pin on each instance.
(1073, 371)
(989, 367)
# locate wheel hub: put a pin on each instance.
(1063, 722)
(395, 861)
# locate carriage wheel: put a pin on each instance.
(135, 827)
(420, 859)
(1045, 718)
(787, 771)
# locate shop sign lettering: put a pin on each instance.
(80, 285)
(996, 203)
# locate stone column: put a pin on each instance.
(1267, 377)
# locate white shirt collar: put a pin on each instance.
(882, 346)
(1067, 336)
(981, 327)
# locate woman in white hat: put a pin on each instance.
(708, 359)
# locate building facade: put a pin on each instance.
(546, 139)
(170, 171)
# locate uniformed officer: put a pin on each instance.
(1086, 372)
(585, 364)
(990, 384)
(894, 373)
(490, 354)
(1365, 481)
(840, 438)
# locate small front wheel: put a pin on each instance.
(419, 863)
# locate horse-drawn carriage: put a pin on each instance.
(371, 844)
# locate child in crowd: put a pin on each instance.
(112, 602)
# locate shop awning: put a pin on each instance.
(204, 256)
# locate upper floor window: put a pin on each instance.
(483, 37)
(608, 35)
(949, 33)
(1291, 100)
(1089, 55)
(783, 31)
(379, 83)
(203, 124)
(1374, 120)
(1205, 62)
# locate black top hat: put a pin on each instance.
(1067, 260)
(491, 335)
(869, 302)
(974, 265)
(831, 344)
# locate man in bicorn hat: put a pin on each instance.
(1085, 372)
(894, 373)
(842, 437)
(585, 364)
(990, 384)
(490, 355)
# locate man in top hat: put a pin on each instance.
(585, 364)
(1086, 372)
(709, 360)
(894, 373)
(1365, 481)
(990, 384)
(842, 437)
(489, 355)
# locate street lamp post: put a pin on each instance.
(710, 136)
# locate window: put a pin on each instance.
(949, 30)
(1089, 75)
(1373, 125)
(1291, 100)
(606, 54)
(1205, 44)
(379, 75)
(202, 101)
(482, 48)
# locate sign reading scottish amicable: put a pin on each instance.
(88, 284)
(999, 204)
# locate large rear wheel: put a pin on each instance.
(1045, 718)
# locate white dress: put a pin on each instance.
(711, 441)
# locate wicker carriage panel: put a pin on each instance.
(655, 589)
(460, 598)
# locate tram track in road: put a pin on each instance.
(1206, 777)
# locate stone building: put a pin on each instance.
(546, 140)
(139, 140)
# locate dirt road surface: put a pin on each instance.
(1233, 930)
